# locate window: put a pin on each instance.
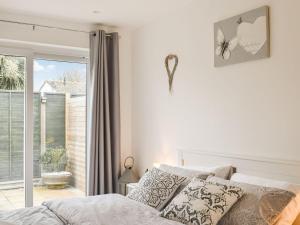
(12, 98)
(43, 128)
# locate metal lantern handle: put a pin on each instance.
(128, 158)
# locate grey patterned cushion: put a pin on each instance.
(155, 188)
(259, 205)
(188, 173)
(202, 203)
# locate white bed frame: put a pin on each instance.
(285, 170)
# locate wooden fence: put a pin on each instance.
(12, 131)
(75, 139)
(59, 119)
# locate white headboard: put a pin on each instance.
(285, 170)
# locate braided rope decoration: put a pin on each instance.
(171, 73)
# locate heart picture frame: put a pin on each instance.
(171, 71)
(242, 38)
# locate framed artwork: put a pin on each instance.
(242, 38)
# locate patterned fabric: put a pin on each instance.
(109, 209)
(202, 203)
(259, 205)
(155, 188)
(184, 172)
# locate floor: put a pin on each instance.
(14, 198)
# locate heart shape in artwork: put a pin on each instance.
(170, 71)
(252, 36)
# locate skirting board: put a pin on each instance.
(285, 170)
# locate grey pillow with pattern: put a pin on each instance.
(259, 205)
(188, 173)
(202, 203)
(156, 188)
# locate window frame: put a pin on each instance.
(74, 55)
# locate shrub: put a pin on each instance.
(11, 73)
(54, 160)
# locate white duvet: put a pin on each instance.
(110, 209)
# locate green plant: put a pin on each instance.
(11, 73)
(54, 160)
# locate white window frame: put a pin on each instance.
(47, 54)
(28, 120)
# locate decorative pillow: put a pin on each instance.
(156, 188)
(224, 171)
(185, 172)
(202, 203)
(265, 182)
(259, 205)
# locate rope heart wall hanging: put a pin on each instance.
(170, 72)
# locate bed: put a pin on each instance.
(270, 169)
(112, 209)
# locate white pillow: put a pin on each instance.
(202, 202)
(156, 188)
(222, 171)
(290, 213)
(184, 172)
(260, 181)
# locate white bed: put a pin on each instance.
(117, 209)
(270, 168)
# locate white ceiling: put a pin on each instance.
(124, 13)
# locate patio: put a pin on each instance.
(14, 198)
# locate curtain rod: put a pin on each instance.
(50, 27)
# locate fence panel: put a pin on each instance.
(12, 131)
(36, 135)
(17, 135)
(55, 120)
(76, 120)
(4, 136)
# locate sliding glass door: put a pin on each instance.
(12, 102)
(59, 150)
(42, 129)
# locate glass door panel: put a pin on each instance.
(42, 134)
(12, 95)
(59, 151)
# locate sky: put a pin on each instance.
(52, 70)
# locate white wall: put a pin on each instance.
(77, 44)
(251, 108)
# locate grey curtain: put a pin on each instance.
(104, 122)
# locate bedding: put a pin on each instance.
(259, 205)
(222, 171)
(202, 202)
(156, 188)
(5, 223)
(292, 210)
(115, 209)
(189, 174)
(260, 181)
(40, 215)
(110, 209)
(184, 172)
